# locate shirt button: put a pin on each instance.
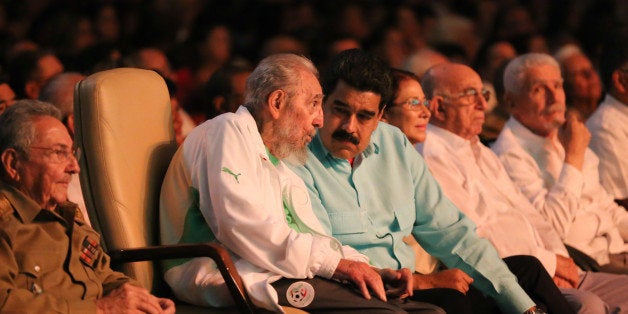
(37, 268)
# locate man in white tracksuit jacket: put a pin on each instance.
(227, 184)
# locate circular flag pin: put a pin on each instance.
(300, 294)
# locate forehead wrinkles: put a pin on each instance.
(305, 84)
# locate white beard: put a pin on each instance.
(297, 158)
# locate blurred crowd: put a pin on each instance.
(189, 41)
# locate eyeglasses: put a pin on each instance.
(414, 104)
(472, 93)
(61, 155)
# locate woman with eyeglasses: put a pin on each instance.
(408, 109)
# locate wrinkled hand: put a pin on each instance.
(566, 273)
(131, 299)
(398, 283)
(453, 278)
(575, 137)
(363, 276)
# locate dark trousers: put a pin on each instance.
(535, 280)
(334, 297)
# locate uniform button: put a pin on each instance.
(37, 268)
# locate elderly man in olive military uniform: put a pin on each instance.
(50, 261)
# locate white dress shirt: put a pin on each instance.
(472, 176)
(609, 140)
(574, 202)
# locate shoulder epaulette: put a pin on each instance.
(5, 207)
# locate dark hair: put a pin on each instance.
(219, 84)
(614, 55)
(22, 69)
(16, 123)
(361, 70)
(399, 76)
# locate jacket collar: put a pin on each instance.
(251, 127)
(25, 207)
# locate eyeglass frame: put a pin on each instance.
(485, 93)
(413, 103)
(63, 155)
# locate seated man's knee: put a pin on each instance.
(584, 302)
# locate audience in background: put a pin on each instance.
(582, 84)
(198, 46)
(30, 70)
(224, 92)
(609, 123)
(7, 96)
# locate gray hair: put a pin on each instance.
(16, 123)
(514, 74)
(59, 91)
(278, 71)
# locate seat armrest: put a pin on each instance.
(214, 251)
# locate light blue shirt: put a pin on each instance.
(388, 194)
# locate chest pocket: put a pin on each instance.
(31, 269)
(350, 222)
(404, 218)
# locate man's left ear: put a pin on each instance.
(436, 108)
(10, 160)
(70, 124)
(276, 102)
(380, 114)
(619, 81)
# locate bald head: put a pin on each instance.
(458, 98)
(444, 77)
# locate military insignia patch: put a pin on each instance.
(89, 250)
(300, 294)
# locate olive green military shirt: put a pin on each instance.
(47, 264)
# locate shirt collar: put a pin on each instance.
(452, 140)
(525, 134)
(616, 104)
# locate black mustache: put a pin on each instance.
(345, 136)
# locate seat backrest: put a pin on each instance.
(123, 125)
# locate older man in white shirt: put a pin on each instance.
(609, 123)
(472, 176)
(546, 155)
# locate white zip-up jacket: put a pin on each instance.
(221, 186)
